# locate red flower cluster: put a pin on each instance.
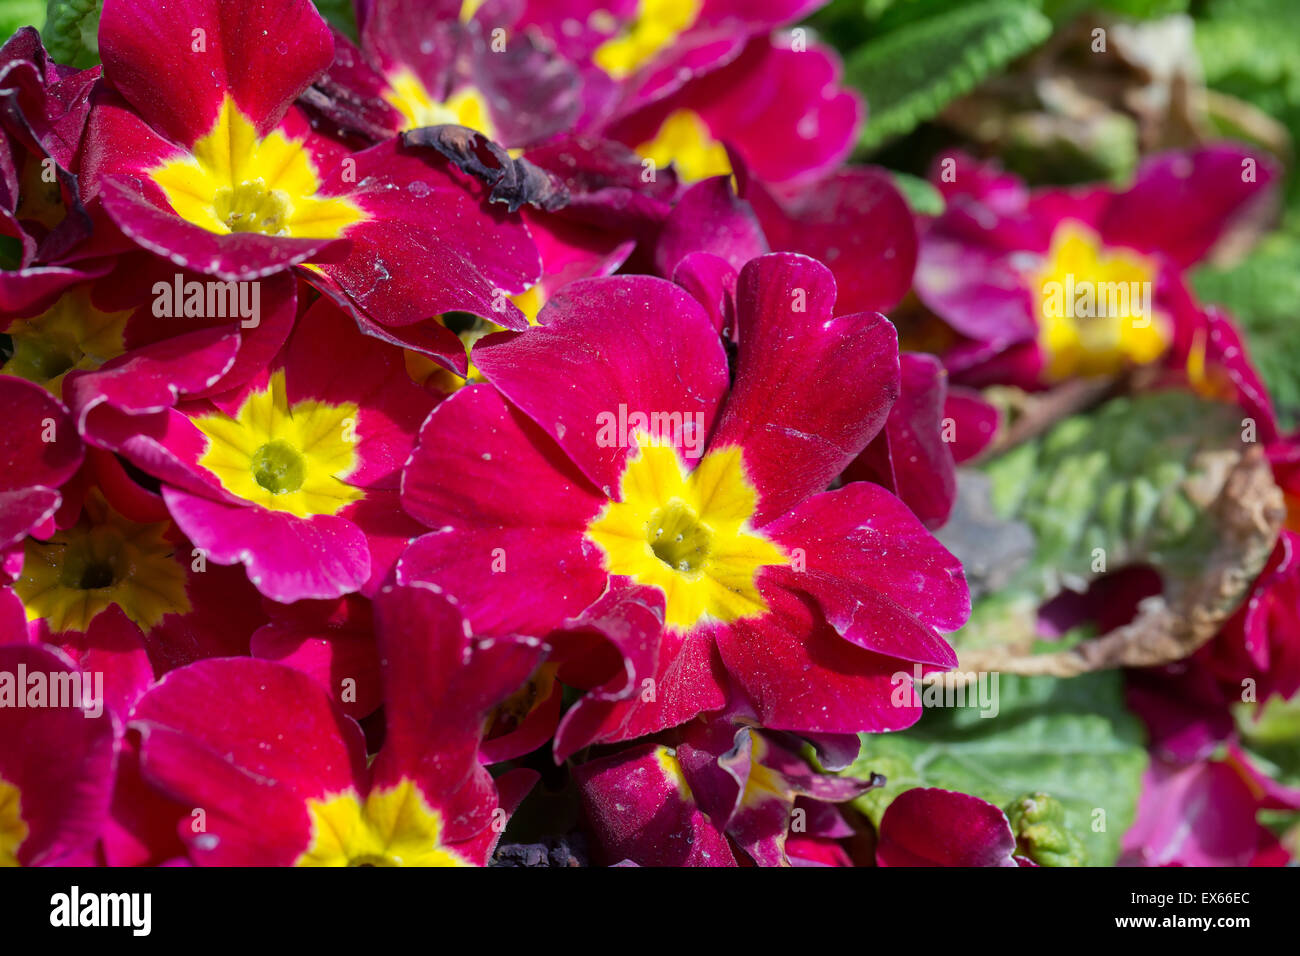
(384, 418)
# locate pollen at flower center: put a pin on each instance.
(394, 826)
(295, 457)
(252, 207)
(235, 181)
(103, 559)
(70, 334)
(679, 538)
(687, 534)
(278, 467)
(94, 561)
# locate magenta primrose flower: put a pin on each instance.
(722, 785)
(781, 110)
(931, 429)
(1048, 284)
(197, 152)
(633, 52)
(1262, 638)
(421, 64)
(1204, 813)
(281, 773)
(709, 236)
(100, 579)
(295, 473)
(647, 467)
(518, 433)
(140, 308)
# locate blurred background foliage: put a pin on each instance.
(1035, 85)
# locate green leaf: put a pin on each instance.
(1063, 10)
(920, 195)
(341, 14)
(11, 253)
(1070, 739)
(1128, 483)
(1038, 821)
(1248, 47)
(909, 74)
(1271, 734)
(71, 31)
(21, 13)
(888, 17)
(1248, 50)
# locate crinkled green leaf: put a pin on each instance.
(908, 75)
(1070, 739)
(71, 31)
(1006, 616)
(850, 23)
(1122, 478)
(1127, 483)
(1038, 821)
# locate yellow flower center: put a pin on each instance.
(393, 827)
(71, 334)
(285, 458)
(469, 329)
(13, 831)
(687, 534)
(103, 559)
(411, 98)
(657, 25)
(234, 181)
(684, 139)
(1095, 307)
